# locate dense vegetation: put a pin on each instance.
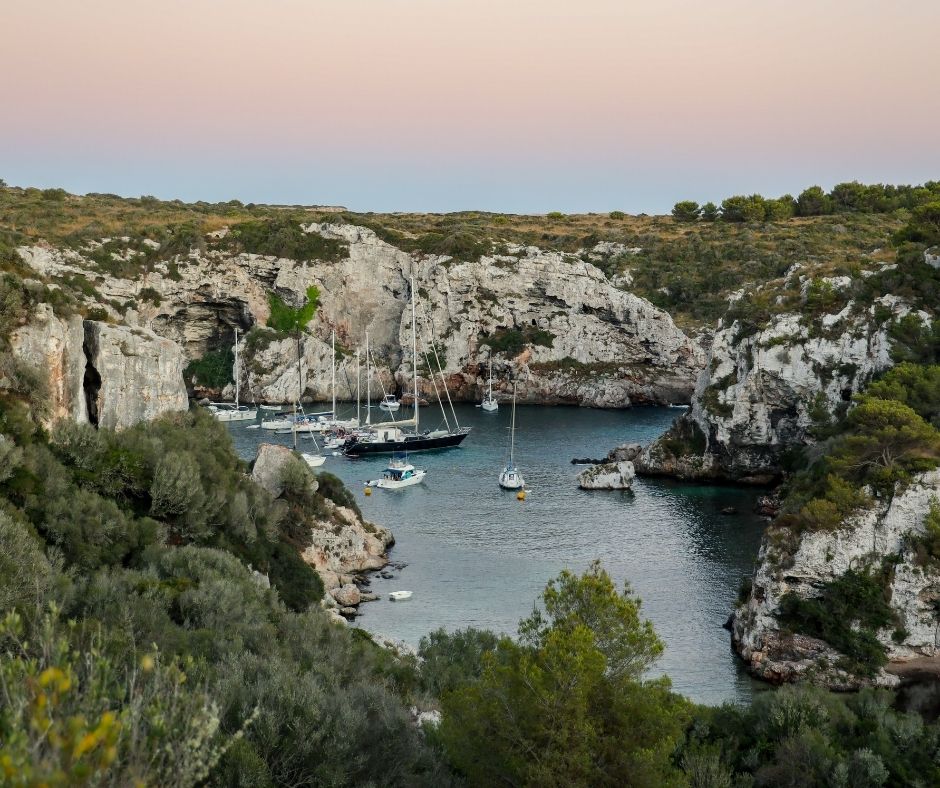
(214, 370)
(689, 268)
(844, 198)
(138, 645)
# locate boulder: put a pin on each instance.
(607, 476)
(132, 375)
(268, 469)
(625, 451)
(347, 595)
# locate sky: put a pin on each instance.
(522, 106)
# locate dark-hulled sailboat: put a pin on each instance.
(389, 437)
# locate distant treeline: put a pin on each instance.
(851, 197)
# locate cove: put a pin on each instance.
(475, 556)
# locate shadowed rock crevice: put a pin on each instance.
(91, 385)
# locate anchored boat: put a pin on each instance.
(511, 478)
(389, 437)
(398, 474)
(236, 412)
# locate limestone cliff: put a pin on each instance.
(802, 564)
(550, 319)
(131, 375)
(760, 394)
(53, 347)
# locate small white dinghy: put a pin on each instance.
(313, 460)
(399, 596)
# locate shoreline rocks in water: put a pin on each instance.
(607, 476)
(342, 546)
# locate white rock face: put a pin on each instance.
(341, 544)
(607, 476)
(603, 346)
(344, 544)
(932, 257)
(822, 556)
(54, 347)
(759, 395)
(138, 375)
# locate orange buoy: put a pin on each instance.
(520, 496)
(368, 491)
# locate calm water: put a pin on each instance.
(478, 557)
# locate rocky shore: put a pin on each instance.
(341, 546)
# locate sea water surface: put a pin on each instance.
(476, 556)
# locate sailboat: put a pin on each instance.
(313, 460)
(510, 478)
(389, 438)
(236, 412)
(489, 404)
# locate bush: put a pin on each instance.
(215, 370)
(288, 319)
(284, 237)
(847, 614)
(512, 341)
(686, 211)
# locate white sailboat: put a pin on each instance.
(489, 404)
(313, 460)
(235, 412)
(510, 478)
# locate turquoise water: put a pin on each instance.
(475, 556)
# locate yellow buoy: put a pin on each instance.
(368, 491)
(520, 496)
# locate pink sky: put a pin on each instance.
(512, 105)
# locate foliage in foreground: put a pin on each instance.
(802, 737)
(139, 645)
(566, 704)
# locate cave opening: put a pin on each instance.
(91, 384)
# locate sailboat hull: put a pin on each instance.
(490, 405)
(411, 443)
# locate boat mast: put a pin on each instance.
(333, 384)
(368, 383)
(414, 352)
(300, 390)
(236, 368)
(489, 395)
(512, 427)
(358, 381)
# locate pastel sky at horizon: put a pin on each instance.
(441, 105)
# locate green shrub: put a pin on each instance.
(214, 370)
(150, 295)
(284, 237)
(847, 614)
(287, 319)
(332, 487)
(512, 341)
